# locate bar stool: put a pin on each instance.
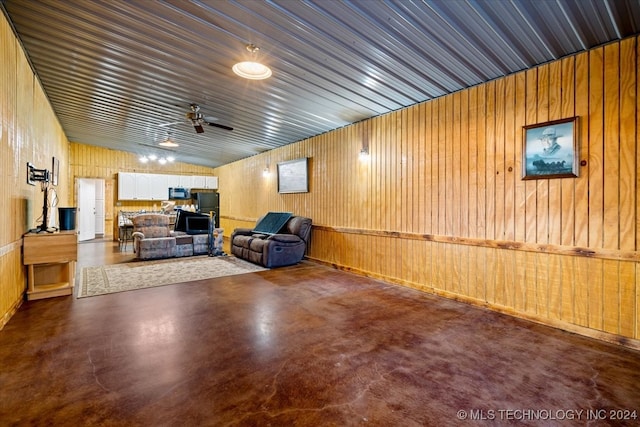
(125, 228)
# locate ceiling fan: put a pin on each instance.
(196, 119)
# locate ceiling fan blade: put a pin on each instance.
(198, 128)
(172, 123)
(220, 126)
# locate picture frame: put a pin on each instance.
(550, 149)
(55, 170)
(293, 176)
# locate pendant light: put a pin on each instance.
(168, 142)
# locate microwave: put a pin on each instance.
(179, 193)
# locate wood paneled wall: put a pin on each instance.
(29, 132)
(440, 204)
(88, 161)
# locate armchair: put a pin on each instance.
(287, 247)
(152, 237)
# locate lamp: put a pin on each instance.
(252, 70)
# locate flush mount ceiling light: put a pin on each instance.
(252, 70)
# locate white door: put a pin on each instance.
(86, 209)
(100, 209)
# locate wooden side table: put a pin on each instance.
(51, 262)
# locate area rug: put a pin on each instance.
(107, 279)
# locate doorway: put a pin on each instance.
(90, 208)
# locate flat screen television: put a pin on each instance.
(181, 219)
(197, 225)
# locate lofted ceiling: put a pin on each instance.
(117, 72)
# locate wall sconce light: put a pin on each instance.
(266, 172)
(364, 154)
(364, 151)
(143, 159)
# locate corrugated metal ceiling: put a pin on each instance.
(117, 71)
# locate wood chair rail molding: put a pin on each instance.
(617, 255)
(239, 218)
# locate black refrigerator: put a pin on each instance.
(206, 202)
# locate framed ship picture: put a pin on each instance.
(550, 150)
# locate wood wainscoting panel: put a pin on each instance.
(553, 288)
(14, 281)
(628, 315)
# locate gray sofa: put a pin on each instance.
(153, 238)
(286, 247)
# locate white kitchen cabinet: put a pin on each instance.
(186, 181)
(143, 186)
(149, 186)
(158, 187)
(198, 181)
(211, 182)
(205, 181)
(127, 186)
(173, 181)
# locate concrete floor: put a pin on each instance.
(305, 345)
